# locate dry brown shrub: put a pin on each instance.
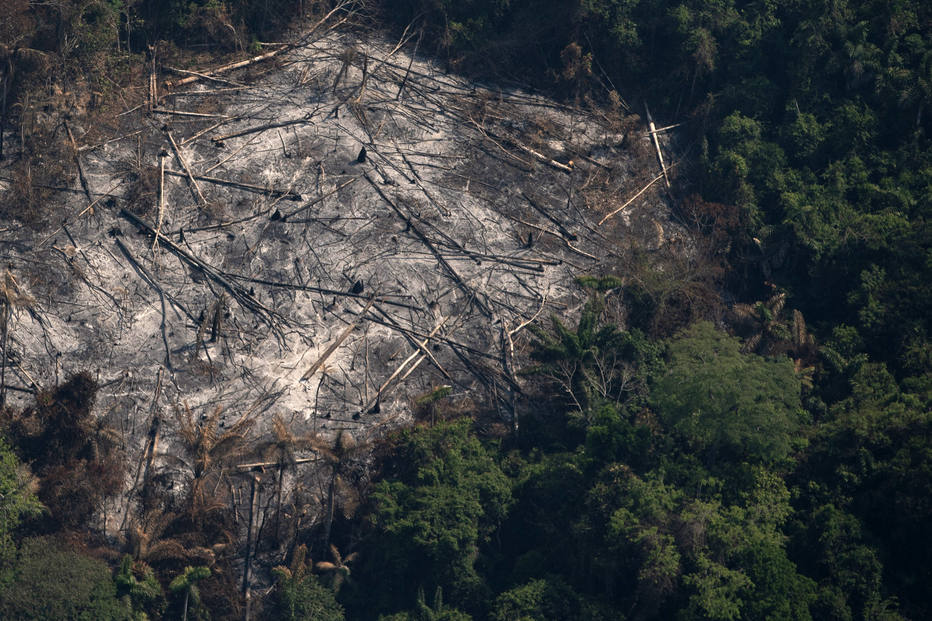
(45, 166)
(142, 194)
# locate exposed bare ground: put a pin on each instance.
(285, 272)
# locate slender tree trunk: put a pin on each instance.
(278, 510)
(328, 521)
(150, 458)
(7, 71)
(4, 328)
(187, 594)
(248, 560)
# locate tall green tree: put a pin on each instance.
(870, 463)
(17, 502)
(50, 581)
(298, 595)
(186, 584)
(440, 501)
(725, 404)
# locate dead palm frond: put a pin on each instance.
(282, 449)
(202, 501)
(170, 536)
(11, 294)
(298, 569)
(339, 569)
(342, 456)
(146, 542)
(207, 555)
(12, 297)
(284, 444)
(776, 303)
(805, 374)
(207, 445)
(762, 325)
(803, 342)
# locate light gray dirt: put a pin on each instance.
(432, 230)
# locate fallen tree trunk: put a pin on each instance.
(225, 68)
(292, 196)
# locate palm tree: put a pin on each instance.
(338, 569)
(340, 457)
(581, 361)
(282, 450)
(298, 595)
(148, 542)
(136, 581)
(187, 582)
(425, 612)
(803, 350)
(768, 331)
(299, 565)
(197, 529)
(760, 323)
(101, 438)
(208, 449)
(11, 297)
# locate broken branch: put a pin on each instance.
(333, 346)
(292, 196)
(195, 189)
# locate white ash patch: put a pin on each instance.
(469, 214)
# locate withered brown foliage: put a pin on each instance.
(45, 166)
(74, 454)
(142, 195)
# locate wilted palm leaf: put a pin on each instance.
(776, 303)
(339, 569)
(204, 444)
(11, 294)
(147, 545)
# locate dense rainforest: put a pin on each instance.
(767, 455)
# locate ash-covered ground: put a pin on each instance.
(358, 229)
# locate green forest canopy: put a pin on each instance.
(784, 476)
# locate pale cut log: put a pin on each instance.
(633, 198)
(158, 226)
(77, 161)
(199, 115)
(417, 353)
(204, 76)
(653, 135)
(226, 68)
(195, 188)
(333, 346)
